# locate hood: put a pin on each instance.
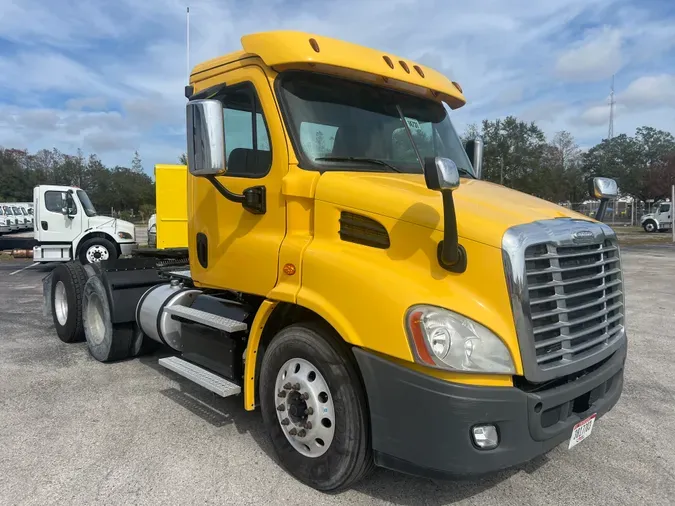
(113, 225)
(484, 210)
(645, 216)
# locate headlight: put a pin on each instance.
(124, 235)
(447, 340)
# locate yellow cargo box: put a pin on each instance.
(171, 189)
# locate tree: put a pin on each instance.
(183, 159)
(513, 154)
(136, 164)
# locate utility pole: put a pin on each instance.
(610, 133)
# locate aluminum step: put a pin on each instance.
(202, 377)
(206, 318)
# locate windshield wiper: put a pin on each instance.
(465, 172)
(374, 161)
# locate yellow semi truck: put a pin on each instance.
(352, 276)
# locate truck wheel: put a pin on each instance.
(97, 249)
(66, 293)
(649, 226)
(314, 408)
(106, 342)
(140, 343)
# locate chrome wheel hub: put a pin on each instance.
(61, 303)
(305, 407)
(97, 253)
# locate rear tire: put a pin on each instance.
(106, 342)
(97, 249)
(311, 354)
(141, 344)
(66, 295)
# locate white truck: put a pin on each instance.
(67, 227)
(6, 221)
(660, 219)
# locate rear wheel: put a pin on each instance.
(105, 341)
(66, 294)
(314, 407)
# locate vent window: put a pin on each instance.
(362, 230)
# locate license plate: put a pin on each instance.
(581, 431)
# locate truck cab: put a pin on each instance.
(19, 218)
(69, 228)
(6, 221)
(352, 276)
(660, 219)
(27, 216)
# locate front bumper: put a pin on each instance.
(5, 229)
(422, 425)
(127, 247)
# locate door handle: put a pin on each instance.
(44, 225)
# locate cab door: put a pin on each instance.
(51, 224)
(664, 216)
(232, 247)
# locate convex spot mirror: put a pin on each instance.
(205, 138)
(441, 174)
(604, 188)
(474, 150)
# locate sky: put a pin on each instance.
(108, 76)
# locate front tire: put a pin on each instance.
(97, 249)
(649, 226)
(314, 407)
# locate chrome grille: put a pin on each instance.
(576, 301)
(565, 284)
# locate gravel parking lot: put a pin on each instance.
(75, 431)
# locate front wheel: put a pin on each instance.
(314, 407)
(649, 226)
(97, 249)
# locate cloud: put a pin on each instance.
(596, 57)
(650, 91)
(108, 77)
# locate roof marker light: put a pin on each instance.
(404, 65)
(419, 70)
(388, 60)
(314, 44)
(457, 86)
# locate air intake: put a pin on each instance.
(361, 230)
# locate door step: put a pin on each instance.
(205, 318)
(184, 274)
(201, 376)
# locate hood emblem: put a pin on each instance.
(582, 236)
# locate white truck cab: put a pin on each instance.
(19, 217)
(10, 219)
(67, 227)
(27, 215)
(5, 221)
(659, 219)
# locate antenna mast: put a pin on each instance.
(187, 55)
(610, 133)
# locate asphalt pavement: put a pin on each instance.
(74, 431)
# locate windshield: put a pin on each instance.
(333, 117)
(23, 211)
(16, 211)
(86, 203)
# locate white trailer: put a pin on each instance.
(67, 227)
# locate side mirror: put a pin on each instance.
(474, 150)
(603, 188)
(441, 174)
(205, 138)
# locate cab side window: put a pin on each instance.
(664, 208)
(247, 142)
(54, 202)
